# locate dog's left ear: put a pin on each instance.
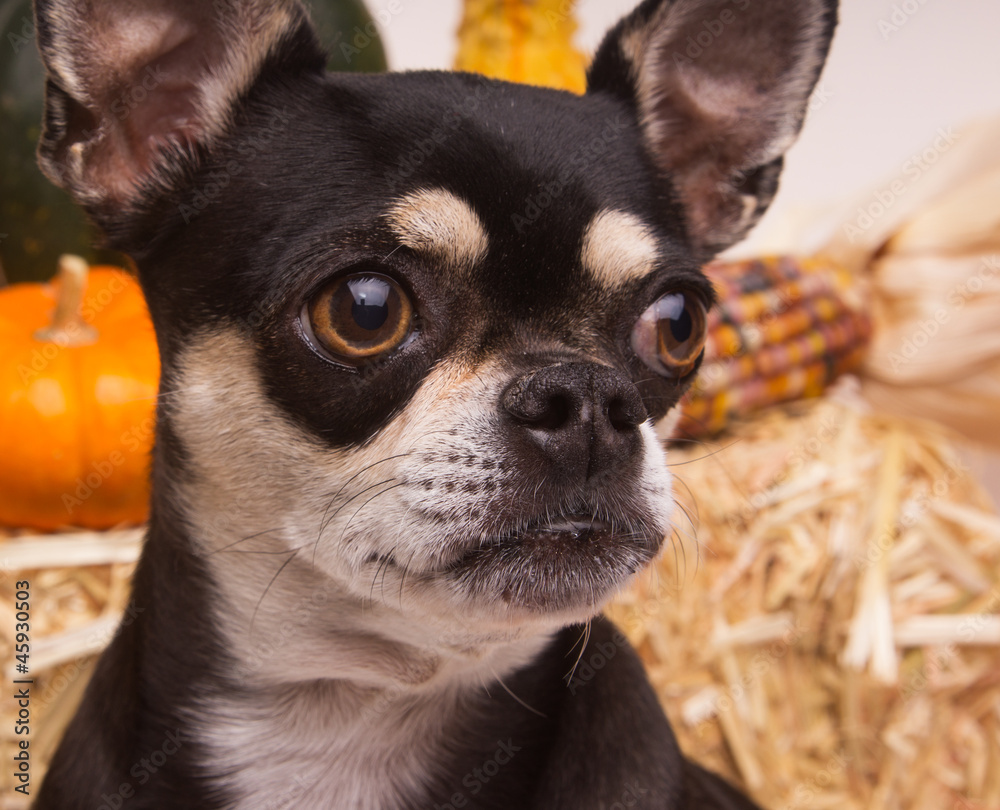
(720, 88)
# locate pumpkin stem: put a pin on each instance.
(67, 327)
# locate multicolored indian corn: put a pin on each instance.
(784, 328)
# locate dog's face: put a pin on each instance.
(416, 330)
(470, 393)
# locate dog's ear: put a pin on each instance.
(720, 88)
(136, 89)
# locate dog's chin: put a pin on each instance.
(565, 565)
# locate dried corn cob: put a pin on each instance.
(528, 41)
(784, 328)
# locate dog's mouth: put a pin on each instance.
(565, 562)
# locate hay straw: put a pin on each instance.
(79, 589)
(68, 550)
(848, 576)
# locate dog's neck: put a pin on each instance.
(311, 629)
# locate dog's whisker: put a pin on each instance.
(707, 455)
(342, 506)
(582, 641)
(693, 521)
(361, 472)
(291, 556)
(385, 570)
(507, 689)
(389, 254)
(372, 498)
(383, 564)
(402, 578)
(327, 518)
(229, 546)
(485, 684)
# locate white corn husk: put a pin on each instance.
(934, 259)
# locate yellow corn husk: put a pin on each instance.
(784, 328)
(529, 41)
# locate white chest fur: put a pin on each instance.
(332, 745)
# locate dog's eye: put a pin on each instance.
(360, 316)
(669, 337)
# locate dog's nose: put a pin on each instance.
(583, 417)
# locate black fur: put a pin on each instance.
(241, 229)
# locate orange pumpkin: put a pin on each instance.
(78, 383)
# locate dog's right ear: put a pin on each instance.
(136, 89)
(719, 88)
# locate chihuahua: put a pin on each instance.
(416, 333)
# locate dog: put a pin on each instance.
(416, 332)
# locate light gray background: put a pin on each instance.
(887, 92)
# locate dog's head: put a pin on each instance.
(419, 327)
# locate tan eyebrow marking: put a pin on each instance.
(438, 223)
(617, 247)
